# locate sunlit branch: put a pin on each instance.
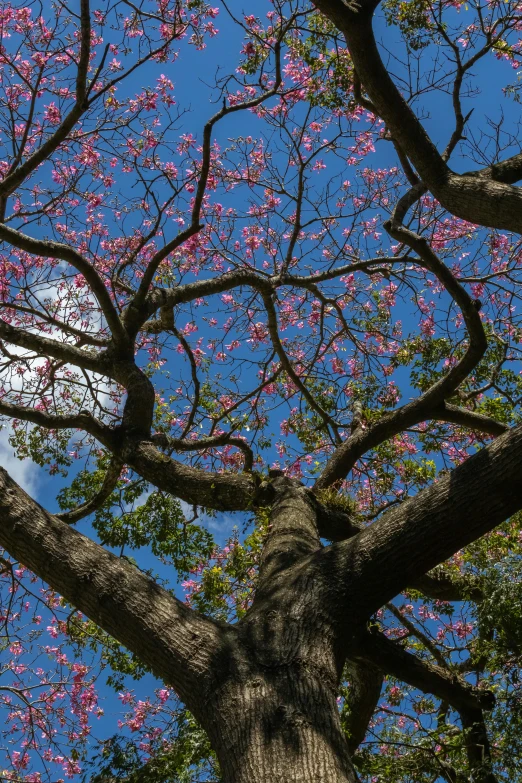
(112, 592)
(170, 297)
(470, 420)
(109, 483)
(372, 266)
(220, 491)
(508, 171)
(415, 536)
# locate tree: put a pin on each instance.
(172, 295)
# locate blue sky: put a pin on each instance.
(191, 74)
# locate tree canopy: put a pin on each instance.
(260, 280)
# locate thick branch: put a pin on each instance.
(415, 536)
(508, 171)
(201, 444)
(81, 421)
(393, 659)
(170, 297)
(473, 198)
(477, 746)
(431, 401)
(292, 532)
(468, 700)
(365, 685)
(335, 525)
(174, 641)
(47, 347)
(138, 411)
(471, 420)
(386, 99)
(220, 491)
(435, 584)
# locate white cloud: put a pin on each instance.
(221, 524)
(24, 472)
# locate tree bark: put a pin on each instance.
(281, 721)
(280, 724)
(415, 536)
(365, 689)
(175, 642)
(265, 689)
(478, 197)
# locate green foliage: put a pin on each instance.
(127, 520)
(44, 449)
(158, 523)
(185, 757)
(499, 614)
(426, 370)
(122, 521)
(226, 582)
(337, 501)
(317, 53)
(413, 20)
(315, 50)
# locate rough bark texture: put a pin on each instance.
(280, 720)
(131, 607)
(265, 689)
(415, 536)
(280, 724)
(365, 681)
(480, 199)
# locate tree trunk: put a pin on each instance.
(279, 726)
(274, 716)
(265, 688)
